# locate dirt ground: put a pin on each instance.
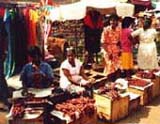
(149, 114)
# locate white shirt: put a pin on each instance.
(74, 71)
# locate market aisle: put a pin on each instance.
(146, 115)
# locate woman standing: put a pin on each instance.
(111, 46)
(127, 46)
(147, 52)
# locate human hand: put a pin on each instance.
(35, 67)
(92, 80)
(24, 92)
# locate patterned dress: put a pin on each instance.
(147, 51)
(110, 40)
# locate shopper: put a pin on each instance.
(37, 73)
(147, 52)
(72, 72)
(110, 40)
(126, 46)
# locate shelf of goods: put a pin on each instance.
(75, 111)
(112, 109)
(141, 87)
(151, 76)
(29, 108)
(29, 116)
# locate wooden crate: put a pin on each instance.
(156, 87)
(134, 102)
(111, 110)
(144, 92)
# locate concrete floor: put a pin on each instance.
(149, 114)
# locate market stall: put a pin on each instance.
(111, 101)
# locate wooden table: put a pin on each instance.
(100, 78)
(35, 117)
(83, 119)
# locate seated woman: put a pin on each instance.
(36, 74)
(72, 72)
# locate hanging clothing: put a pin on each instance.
(20, 40)
(15, 25)
(93, 26)
(4, 92)
(10, 59)
(46, 2)
(2, 12)
(33, 19)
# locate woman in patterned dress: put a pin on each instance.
(110, 40)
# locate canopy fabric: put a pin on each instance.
(76, 11)
(125, 9)
(73, 11)
(100, 3)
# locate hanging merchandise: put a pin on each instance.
(3, 84)
(20, 23)
(46, 2)
(33, 19)
(10, 62)
(93, 26)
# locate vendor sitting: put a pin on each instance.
(72, 72)
(36, 74)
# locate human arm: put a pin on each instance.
(103, 38)
(84, 76)
(45, 73)
(69, 76)
(157, 35)
(82, 73)
(137, 32)
(49, 73)
(134, 37)
(24, 79)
